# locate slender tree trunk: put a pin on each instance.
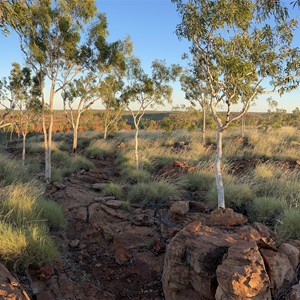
(24, 149)
(203, 125)
(242, 127)
(48, 135)
(218, 169)
(136, 151)
(75, 132)
(105, 132)
(75, 138)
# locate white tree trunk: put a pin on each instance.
(242, 127)
(24, 149)
(203, 125)
(75, 138)
(218, 170)
(136, 151)
(105, 132)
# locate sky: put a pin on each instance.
(151, 24)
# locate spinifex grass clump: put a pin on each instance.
(99, 149)
(289, 225)
(267, 210)
(64, 164)
(152, 194)
(238, 196)
(200, 181)
(133, 175)
(11, 170)
(113, 189)
(25, 219)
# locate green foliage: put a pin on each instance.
(25, 217)
(113, 189)
(152, 194)
(200, 181)
(59, 157)
(11, 170)
(289, 225)
(266, 209)
(25, 245)
(99, 149)
(133, 175)
(237, 196)
(66, 165)
(24, 202)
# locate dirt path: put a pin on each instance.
(109, 250)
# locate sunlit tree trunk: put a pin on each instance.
(75, 132)
(203, 125)
(136, 147)
(218, 169)
(24, 134)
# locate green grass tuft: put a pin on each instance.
(113, 189)
(201, 181)
(289, 225)
(152, 194)
(237, 196)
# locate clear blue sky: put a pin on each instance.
(151, 25)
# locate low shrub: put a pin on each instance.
(99, 149)
(113, 189)
(24, 202)
(11, 170)
(199, 181)
(24, 220)
(237, 196)
(133, 175)
(152, 194)
(288, 226)
(266, 209)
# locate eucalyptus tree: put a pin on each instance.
(145, 91)
(111, 87)
(236, 53)
(21, 91)
(50, 35)
(82, 92)
(196, 91)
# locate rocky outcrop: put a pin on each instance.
(280, 270)
(228, 260)
(10, 288)
(242, 274)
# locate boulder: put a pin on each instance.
(99, 186)
(281, 271)
(180, 208)
(10, 288)
(226, 218)
(294, 294)
(191, 260)
(291, 252)
(242, 274)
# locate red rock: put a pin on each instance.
(294, 294)
(191, 261)
(10, 288)
(291, 252)
(159, 247)
(281, 271)
(180, 208)
(197, 206)
(226, 217)
(122, 255)
(47, 271)
(45, 295)
(242, 274)
(74, 243)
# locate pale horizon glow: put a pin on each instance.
(151, 24)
